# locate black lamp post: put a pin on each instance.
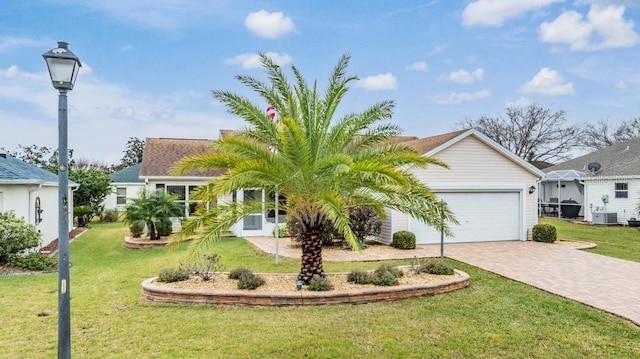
(63, 68)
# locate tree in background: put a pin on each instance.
(601, 135)
(534, 133)
(323, 165)
(132, 154)
(94, 187)
(40, 156)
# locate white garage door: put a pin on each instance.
(482, 216)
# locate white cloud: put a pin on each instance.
(379, 82)
(548, 82)
(252, 61)
(8, 42)
(603, 28)
(269, 24)
(622, 85)
(464, 77)
(519, 103)
(495, 12)
(418, 66)
(457, 97)
(438, 49)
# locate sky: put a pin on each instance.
(149, 66)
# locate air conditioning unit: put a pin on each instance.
(605, 217)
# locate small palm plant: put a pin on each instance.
(153, 210)
(322, 165)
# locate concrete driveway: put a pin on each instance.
(606, 283)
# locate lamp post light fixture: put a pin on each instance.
(63, 66)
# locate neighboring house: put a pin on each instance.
(487, 187)
(32, 193)
(126, 185)
(610, 178)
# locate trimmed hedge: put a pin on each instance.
(404, 240)
(544, 232)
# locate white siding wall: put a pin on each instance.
(474, 165)
(133, 191)
(625, 207)
(21, 200)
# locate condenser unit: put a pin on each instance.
(605, 217)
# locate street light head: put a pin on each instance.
(63, 66)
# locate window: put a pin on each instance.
(160, 186)
(622, 190)
(121, 195)
(282, 213)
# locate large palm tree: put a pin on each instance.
(322, 165)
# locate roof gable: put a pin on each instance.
(161, 154)
(622, 159)
(430, 146)
(17, 171)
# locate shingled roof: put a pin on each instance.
(13, 170)
(161, 154)
(129, 174)
(424, 145)
(622, 159)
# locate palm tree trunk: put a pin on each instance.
(311, 256)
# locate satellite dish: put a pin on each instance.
(594, 167)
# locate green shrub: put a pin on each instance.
(33, 262)
(358, 276)
(170, 275)
(249, 281)
(319, 284)
(435, 267)
(237, 272)
(110, 216)
(283, 231)
(137, 228)
(84, 215)
(16, 235)
(387, 275)
(204, 267)
(404, 240)
(544, 232)
(165, 227)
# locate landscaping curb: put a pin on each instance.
(131, 243)
(161, 294)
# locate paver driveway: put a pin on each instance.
(606, 283)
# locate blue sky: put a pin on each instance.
(149, 66)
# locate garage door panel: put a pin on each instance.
(482, 217)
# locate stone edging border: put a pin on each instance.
(160, 294)
(132, 243)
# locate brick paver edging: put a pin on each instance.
(157, 293)
(132, 243)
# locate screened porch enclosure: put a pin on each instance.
(561, 194)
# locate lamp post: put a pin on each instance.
(63, 69)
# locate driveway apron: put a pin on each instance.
(606, 283)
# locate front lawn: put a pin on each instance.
(494, 317)
(613, 241)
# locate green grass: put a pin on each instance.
(613, 241)
(492, 318)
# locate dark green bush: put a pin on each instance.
(165, 227)
(34, 262)
(110, 216)
(170, 275)
(249, 281)
(404, 240)
(544, 233)
(84, 215)
(434, 266)
(16, 235)
(358, 276)
(237, 272)
(320, 284)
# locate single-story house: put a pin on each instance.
(607, 182)
(489, 189)
(126, 184)
(32, 193)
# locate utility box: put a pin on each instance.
(605, 217)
